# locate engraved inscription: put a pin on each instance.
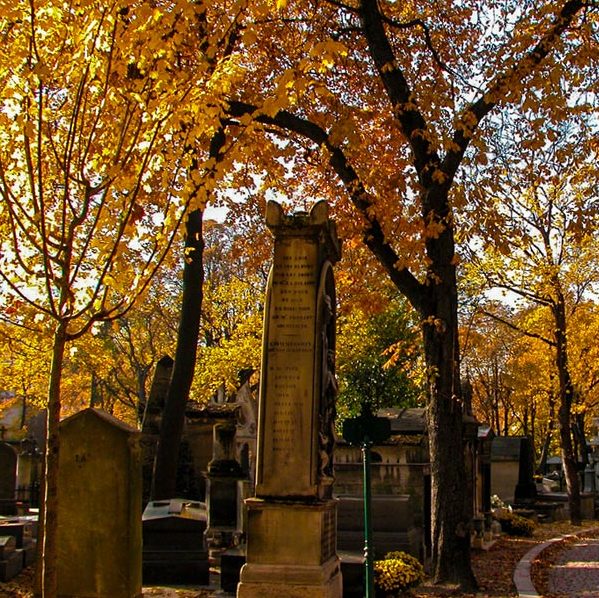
(291, 347)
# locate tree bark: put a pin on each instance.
(566, 396)
(452, 505)
(173, 417)
(547, 442)
(47, 582)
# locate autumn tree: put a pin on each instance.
(584, 327)
(381, 103)
(23, 366)
(542, 251)
(101, 107)
(486, 353)
(511, 376)
(378, 357)
(120, 355)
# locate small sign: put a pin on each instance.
(358, 430)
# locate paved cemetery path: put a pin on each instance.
(571, 566)
(576, 571)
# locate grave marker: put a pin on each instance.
(99, 513)
(291, 546)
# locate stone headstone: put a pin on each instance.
(526, 489)
(291, 536)
(505, 465)
(392, 520)
(149, 414)
(224, 472)
(8, 479)
(173, 543)
(99, 514)
(11, 565)
(512, 468)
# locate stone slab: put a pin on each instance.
(389, 513)
(11, 566)
(7, 546)
(17, 530)
(174, 533)
(175, 568)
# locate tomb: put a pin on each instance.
(173, 543)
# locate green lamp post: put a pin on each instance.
(364, 431)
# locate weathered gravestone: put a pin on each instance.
(512, 468)
(291, 545)
(99, 514)
(8, 479)
(224, 473)
(149, 414)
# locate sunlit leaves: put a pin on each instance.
(378, 358)
(101, 109)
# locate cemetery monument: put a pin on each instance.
(291, 548)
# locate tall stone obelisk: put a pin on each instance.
(291, 548)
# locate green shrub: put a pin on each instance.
(396, 573)
(514, 524)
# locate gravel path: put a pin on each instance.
(576, 572)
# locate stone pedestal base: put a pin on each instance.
(291, 551)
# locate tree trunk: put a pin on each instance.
(47, 583)
(570, 467)
(566, 396)
(452, 504)
(547, 443)
(173, 417)
(582, 449)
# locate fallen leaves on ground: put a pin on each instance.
(494, 568)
